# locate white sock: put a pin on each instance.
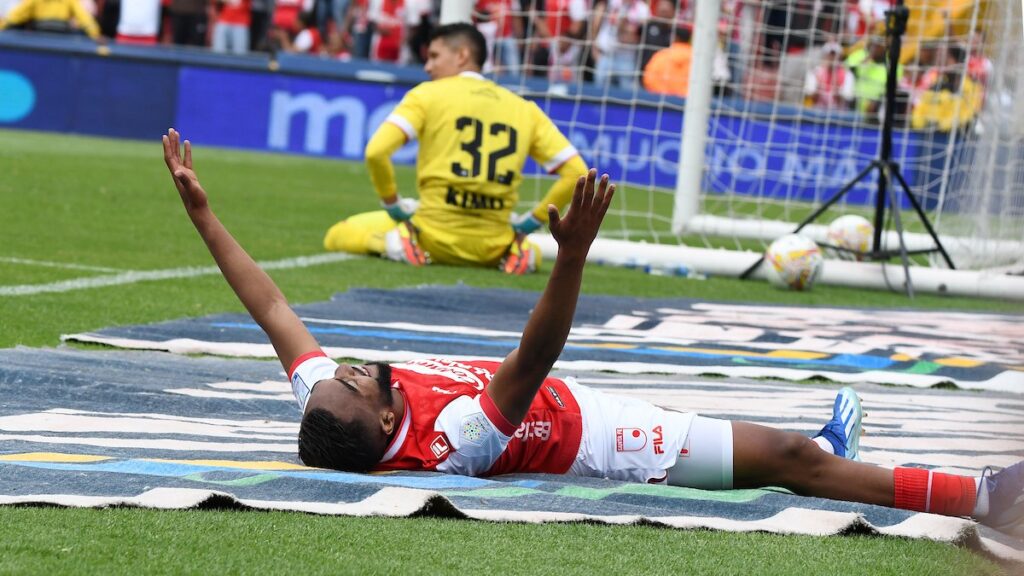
(824, 444)
(981, 505)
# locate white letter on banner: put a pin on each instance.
(319, 113)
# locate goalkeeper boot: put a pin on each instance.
(1005, 491)
(522, 257)
(402, 245)
(844, 429)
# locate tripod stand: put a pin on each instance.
(888, 170)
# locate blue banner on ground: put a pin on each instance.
(917, 348)
(164, 431)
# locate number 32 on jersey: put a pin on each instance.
(484, 145)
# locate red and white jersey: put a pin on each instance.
(451, 426)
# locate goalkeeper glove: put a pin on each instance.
(525, 223)
(402, 208)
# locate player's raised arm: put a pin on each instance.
(261, 297)
(519, 377)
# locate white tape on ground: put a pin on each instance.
(133, 276)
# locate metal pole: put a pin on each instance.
(690, 173)
(453, 11)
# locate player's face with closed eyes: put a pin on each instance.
(368, 384)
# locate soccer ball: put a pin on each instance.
(851, 232)
(794, 262)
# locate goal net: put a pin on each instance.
(782, 110)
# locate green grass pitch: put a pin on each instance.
(106, 206)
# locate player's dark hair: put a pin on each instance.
(327, 442)
(464, 32)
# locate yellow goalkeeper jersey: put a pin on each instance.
(475, 137)
(41, 11)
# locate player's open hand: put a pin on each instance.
(578, 228)
(185, 180)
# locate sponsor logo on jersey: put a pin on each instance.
(659, 440)
(630, 439)
(439, 446)
(554, 394)
(540, 430)
(455, 371)
(472, 200)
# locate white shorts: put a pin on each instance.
(627, 439)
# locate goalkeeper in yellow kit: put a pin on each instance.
(474, 138)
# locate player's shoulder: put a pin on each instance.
(476, 86)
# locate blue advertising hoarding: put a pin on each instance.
(334, 117)
(637, 144)
(86, 94)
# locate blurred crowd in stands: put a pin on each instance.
(825, 54)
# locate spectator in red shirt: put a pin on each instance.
(286, 14)
(502, 29)
(307, 41)
(560, 31)
(387, 17)
(231, 32)
(830, 84)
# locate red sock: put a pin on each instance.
(935, 492)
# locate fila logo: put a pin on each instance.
(659, 440)
(439, 446)
(630, 439)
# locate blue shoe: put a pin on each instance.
(843, 430)
(1006, 500)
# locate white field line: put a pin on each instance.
(65, 265)
(133, 276)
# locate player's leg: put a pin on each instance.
(707, 459)
(377, 233)
(764, 456)
(721, 454)
(360, 234)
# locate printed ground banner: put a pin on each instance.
(156, 430)
(632, 335)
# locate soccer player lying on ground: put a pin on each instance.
(482, 418)
(474, 138)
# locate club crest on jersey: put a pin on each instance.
(439, 446)
(473, 428)
(630, 439)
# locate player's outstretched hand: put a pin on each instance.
(578, 228)
(185, 180)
